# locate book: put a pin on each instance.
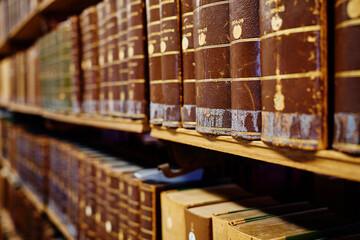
(294, 53)
(212, 67)
(90, 60)
(245, 69)
(188, 113)
(155, 77)
(103, 59)
(174, 203)
(113, 52)
(121, 87)
(137, 102)
(33, 93)
(347, 75)
(296, 224)
(198, 219)
(171, 62)
(222, 221)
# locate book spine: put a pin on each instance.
(347, 78)
(171, 62)
(245, 69)
(113, 53)
(113, 211)
(150, 219)
(137, 60)
(188, 65)
(155, 80)
(81, 195)
(123, 206)
(75, 69)
(133, 207)
(212, 67)
(294, 118)
(103, 59)
(121, 92)
(100, 215)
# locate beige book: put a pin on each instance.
(198, 219)
(174, 203)
(287, 226)
(221, 221)
(5, 71)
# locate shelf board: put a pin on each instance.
(59, 225)
(33, 198)
(137, 126)
(328, 162)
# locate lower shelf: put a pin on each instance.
(328, 162)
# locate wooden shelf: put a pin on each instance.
(59, 225)
(328, 162)
(137, 126)
(32, 27)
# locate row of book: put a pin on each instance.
(23, 220)
(221, 67)
(13, 13)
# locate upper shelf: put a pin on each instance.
(328, 162)
(33, 26)
(128, 125)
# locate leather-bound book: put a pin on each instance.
(103, 59)
(310, 224)
(188, 112)
(155, 77)
(32, 75)
(198, 219)
(113, 52)
(75, 68)
(137, 104)
(245, 69)
(222, 221)
(120, 88)
(133, 213)
(212, 67)
(174, 203)
(347, 77)
(90, 60)
(294, 53)
(171, 62)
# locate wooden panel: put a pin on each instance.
(328, 162)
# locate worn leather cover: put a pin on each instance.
(171, 61)
(113, 52)
(103, 59)
(245, 69)
(90, 60)
(112, 208)
(120, 93)
(347, 77)
(188, 65)
(137, 60)
(134, 213)
(155, 83)
(294, 73)
(212, 67)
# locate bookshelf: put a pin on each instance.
(41, 207)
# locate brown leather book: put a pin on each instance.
(245, 69)
(133, 213)
(137, 60)
(171, 62)
(155, 83)
(103, 59)
(347, 77)
(90, 60)
(120, 88)
(212, 67)
(188, 112)
(294, 73)
(113, 52)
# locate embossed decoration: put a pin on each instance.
(151, 48)
(131, 51)
(122, 54)
(353, 9)
(202, 39)
(237, 31)
(108, 226)
(276, 22)
(185, 43)
(162, 46)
